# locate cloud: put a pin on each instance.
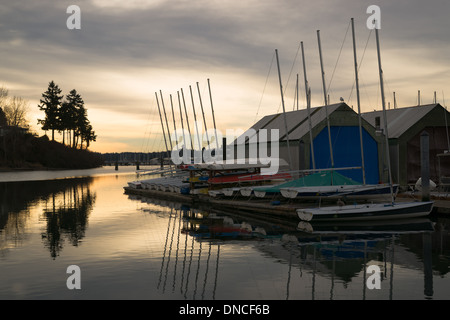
(128, 50)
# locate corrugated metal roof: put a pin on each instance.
(318, 115)
(297, 121)
(258, 125)
(399, 120)
(293, 118)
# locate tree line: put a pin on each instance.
(66, 115)
(22, 149)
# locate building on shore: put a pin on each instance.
(405, 125)
(345, 151)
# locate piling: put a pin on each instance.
(224, 149)
(425, 165)
(427, 267)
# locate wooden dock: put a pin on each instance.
(442, 206)
(265, 207)
(441, 201)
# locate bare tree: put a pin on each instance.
(16, 112)
(15, 109)
(3, 97)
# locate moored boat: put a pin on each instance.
(355, 192)
(373, 211)
(135, 184)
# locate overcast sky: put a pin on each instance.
(126, 51)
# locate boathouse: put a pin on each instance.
(405, 125)
(343, 123)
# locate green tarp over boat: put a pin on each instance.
(327, 178)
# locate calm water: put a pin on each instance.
(135, 248)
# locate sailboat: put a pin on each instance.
(374, 211)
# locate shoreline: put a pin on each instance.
(40, 168)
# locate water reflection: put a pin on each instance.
(184, 257)
(314, 256)
(64, 207)
(345, 251)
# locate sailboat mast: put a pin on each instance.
(162, 125)
(174, 125)
(296, 91)
(325, 99)
(308, 106)
(165, 116)
(203, 113)
(187, 119)
(359, 104)
(321, 68)
(181, 118)
(386, 135)
(195, 119)
(395, 101)
(214, 119)
(284, 113)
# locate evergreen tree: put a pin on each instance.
(81, 122)
(51, 104)
(69, 112)
(69, 115)
(88, 135)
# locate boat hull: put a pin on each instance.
(247, 177)
(376, 211)
(259, 194)
(246, 192)
(363, 192)
(308, 193)
(229, 192)
(135, 185)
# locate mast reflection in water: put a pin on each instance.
(334, 256)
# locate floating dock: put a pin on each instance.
(265, 207)
(210, 185)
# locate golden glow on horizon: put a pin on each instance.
(122, 107)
